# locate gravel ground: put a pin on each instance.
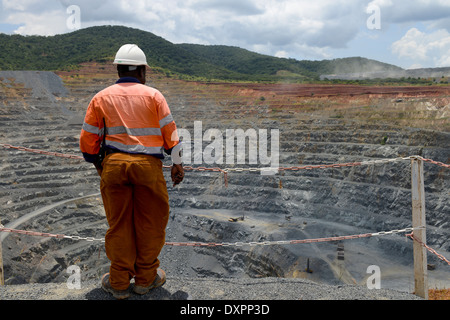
(44, 84)
(210, 289)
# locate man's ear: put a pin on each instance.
(143, 74)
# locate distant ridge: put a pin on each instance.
(410, 73)
(66, 51)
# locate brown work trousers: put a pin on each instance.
(136, 203)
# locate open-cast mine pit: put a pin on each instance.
(48, 194)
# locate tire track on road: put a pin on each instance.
(28, 216)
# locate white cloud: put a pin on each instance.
(22, 5)
(47, 23)
(301, 29)
(429, 48)
(400, 11)
(297, 27)
(412, 45)
(281, 54)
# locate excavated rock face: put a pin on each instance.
(48, 194)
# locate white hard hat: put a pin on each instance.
(130, 54)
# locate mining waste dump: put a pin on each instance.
(318, 125)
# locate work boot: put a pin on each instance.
(118, 294)
(158, 282)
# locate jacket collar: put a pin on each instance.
(128, 79)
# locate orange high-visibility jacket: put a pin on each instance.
(137, 117)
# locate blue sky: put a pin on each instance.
(409, 34)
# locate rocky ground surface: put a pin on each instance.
(210, 289)
(60, 196)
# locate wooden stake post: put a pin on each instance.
(2, 277)
(418, 220)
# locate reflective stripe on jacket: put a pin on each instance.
(138, 120)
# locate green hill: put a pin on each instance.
(66, 51)
(249, 63)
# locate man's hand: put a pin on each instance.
(177, 174)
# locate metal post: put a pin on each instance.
(418, 220)
(2, 277)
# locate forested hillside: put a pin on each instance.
(66, 51)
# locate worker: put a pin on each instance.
(137, 128)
